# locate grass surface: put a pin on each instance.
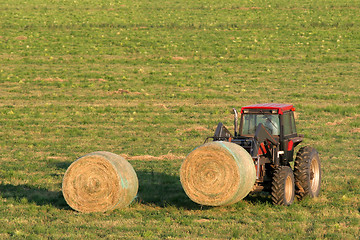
(154, 78)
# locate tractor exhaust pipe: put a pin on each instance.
(235, 121)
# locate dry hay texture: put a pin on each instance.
(217, 174)
(99, 182)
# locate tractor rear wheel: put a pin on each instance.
(307, 171)
(283, 187)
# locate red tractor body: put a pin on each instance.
(268, 133)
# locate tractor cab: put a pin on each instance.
(266, 129)
(278, 119)
(279, 122)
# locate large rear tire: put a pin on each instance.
(307, 171)
(283, 187)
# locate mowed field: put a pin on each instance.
(150, 80)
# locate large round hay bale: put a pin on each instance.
(99, 182)
(218, 173)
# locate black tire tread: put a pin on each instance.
(302, 171)
(278, 185)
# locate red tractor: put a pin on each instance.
(268, 133)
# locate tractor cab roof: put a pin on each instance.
(273, 107)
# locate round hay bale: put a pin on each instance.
(217, 174)
(99, 182)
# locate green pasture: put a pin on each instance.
(152, 77)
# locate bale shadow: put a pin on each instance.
(163, 190)
(63, 165)
(155, 188)
(39, 196)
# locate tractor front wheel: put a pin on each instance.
(283, 187)
(307, 171)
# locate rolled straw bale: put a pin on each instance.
(218, 173)
(99, 182)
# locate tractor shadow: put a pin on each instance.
(31, 194)
(258, 198)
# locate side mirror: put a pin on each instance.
(234, 111)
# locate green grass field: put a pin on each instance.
(154, 78)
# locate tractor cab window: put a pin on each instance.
(289, 123)
(251, 121)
